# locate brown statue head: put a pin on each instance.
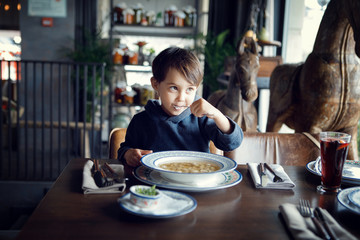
(246, 68)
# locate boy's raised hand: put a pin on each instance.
(133, 156)
(201, 108)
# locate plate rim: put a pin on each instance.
(344, 179)
(185, 187)
(177, 214)
(345, 192)
(350, 197)
(157, 155)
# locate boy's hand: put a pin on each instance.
(133, 156)
(201, 108)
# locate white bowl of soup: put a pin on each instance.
(187, 166)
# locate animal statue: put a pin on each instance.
(236, 101)
(323, 93)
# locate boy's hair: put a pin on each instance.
(181, 60)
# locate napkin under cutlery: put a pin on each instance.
(278, 169)
(304, 228)
(89, 186)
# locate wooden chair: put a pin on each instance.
(116, 137)
(285, 149)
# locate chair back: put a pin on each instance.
(116, 137)
(285, 149)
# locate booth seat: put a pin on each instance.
(285, 149)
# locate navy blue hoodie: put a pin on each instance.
(153, 129)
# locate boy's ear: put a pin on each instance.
(154, 83)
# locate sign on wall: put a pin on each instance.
(47, 8)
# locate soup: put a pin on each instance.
(190, 167)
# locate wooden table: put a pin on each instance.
(238, 212)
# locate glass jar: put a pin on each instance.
(133, 58)
(150, 18)
(118, 56)
(190, 16)
(137, 88)
(179, 19)
(129, 96)
(118, 13)
(138, 13)
(169, 15)
(120, 88)
(128, 16)
(147, 93)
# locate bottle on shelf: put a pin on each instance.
(138, 13)
(128, 16)
(169, 17)
(118, 13)
(119, 89)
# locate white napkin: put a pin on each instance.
(89, 186)
(304, 228)
(166, 206)
(278, 169)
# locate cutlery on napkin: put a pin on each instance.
(287, 183)
(304, 228)
(89, 186)
(263, 177)
(276, 178)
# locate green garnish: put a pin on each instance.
(147, 191)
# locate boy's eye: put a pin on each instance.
(190, 90)
(173, 88)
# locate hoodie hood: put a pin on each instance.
(155, 111)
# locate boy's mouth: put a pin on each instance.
(178, 107)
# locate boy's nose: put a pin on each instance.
(181, 96)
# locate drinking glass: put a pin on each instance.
(334, 148)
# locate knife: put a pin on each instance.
(263, 178)
(318, 214)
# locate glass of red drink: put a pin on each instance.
(334, 148)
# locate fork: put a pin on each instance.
(276, 177)
(306, 211)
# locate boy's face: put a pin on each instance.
(176, 94)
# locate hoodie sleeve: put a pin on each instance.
(225, 142)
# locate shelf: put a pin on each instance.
(138, 30)
(137, 68)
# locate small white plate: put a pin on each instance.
(222, 180)
(172, 205)
(354, 197)
(351, 171)
(343, 198)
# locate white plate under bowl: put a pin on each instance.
(151, 177)
(351, 171)
(154, 160)
(343, 198)
(354, 197)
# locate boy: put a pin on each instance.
(176, 121)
